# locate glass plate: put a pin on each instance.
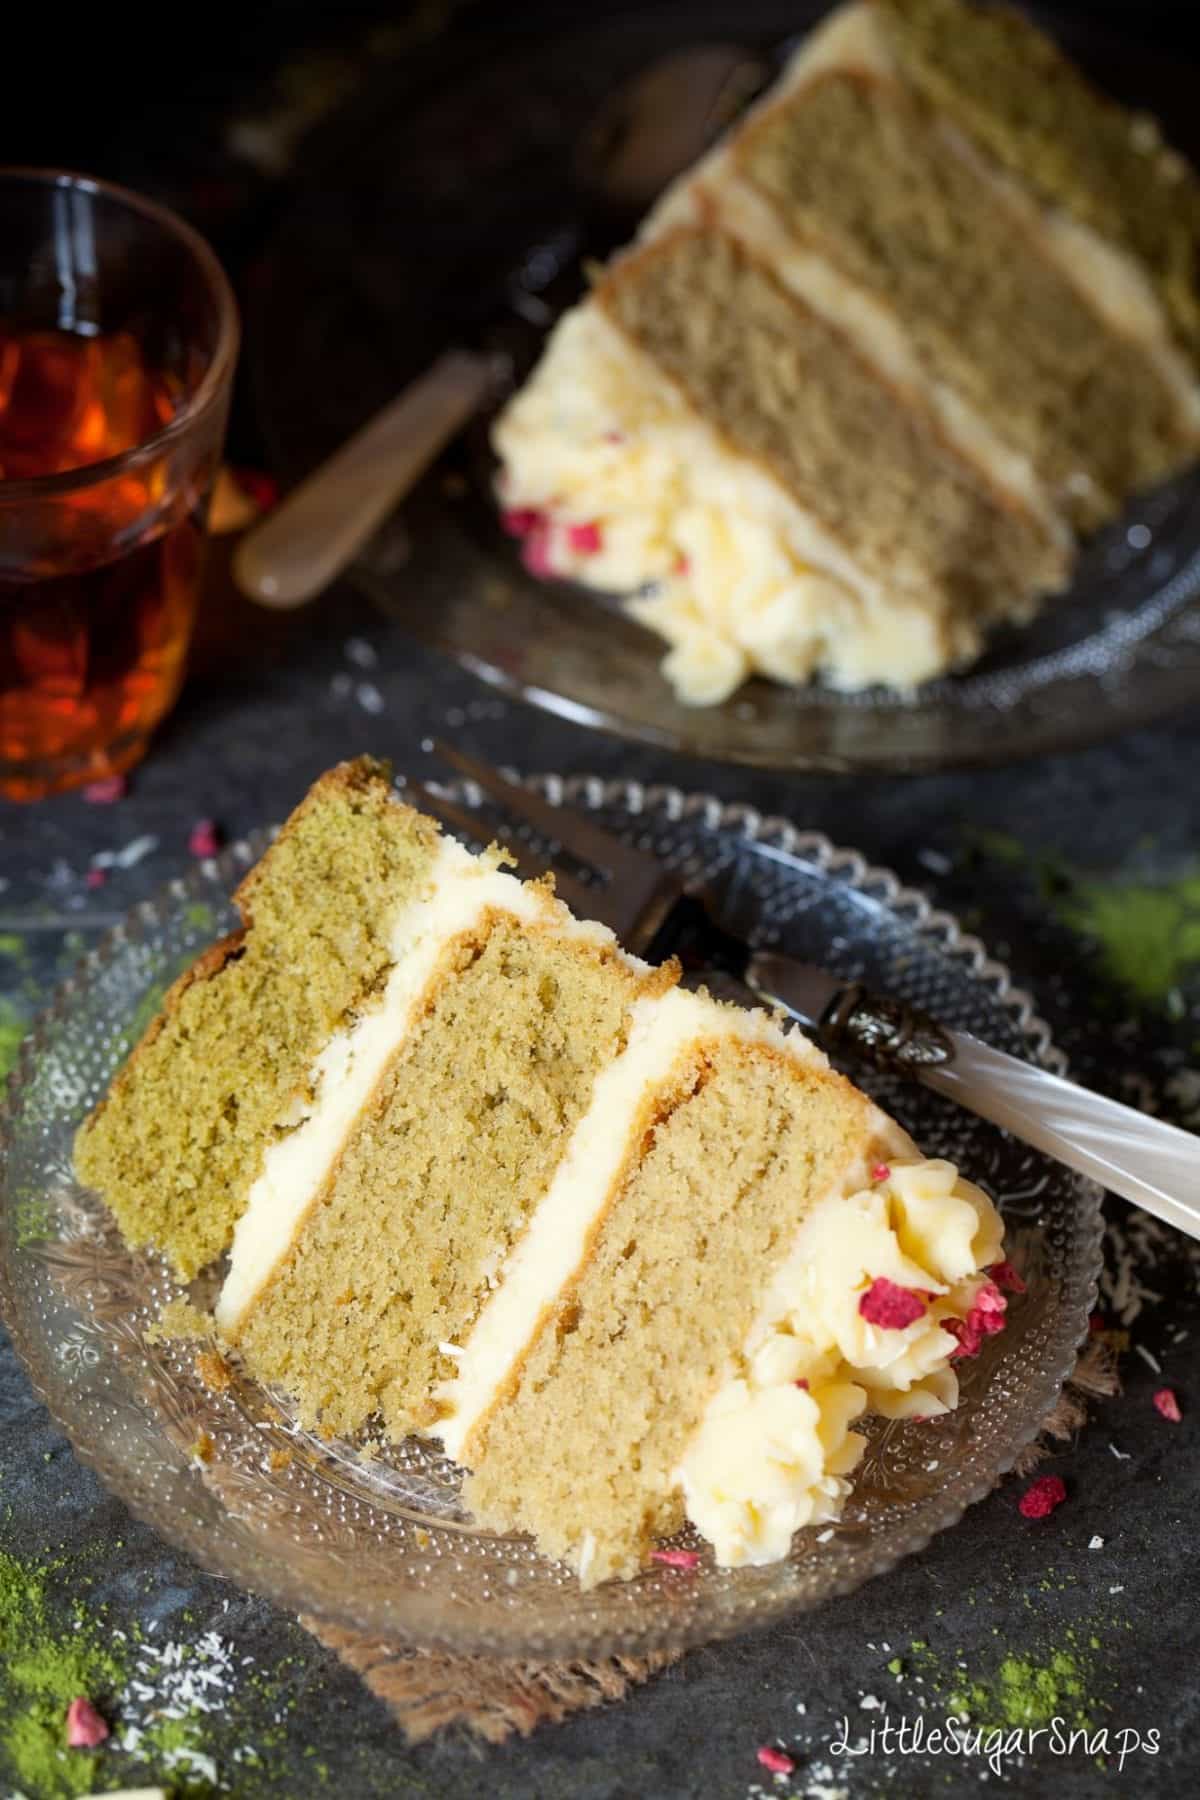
(385, 1545)
(447, 183)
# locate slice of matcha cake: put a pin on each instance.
(631, 1255)
(991, 347)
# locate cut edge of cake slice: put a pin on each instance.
(176, 1143)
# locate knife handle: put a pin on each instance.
(1152, 1164)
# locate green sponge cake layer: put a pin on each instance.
(853, 167)
(786, 390)
(182, 1134)
(1010, 89)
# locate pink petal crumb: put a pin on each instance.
(585, 540)
(888, 1304)
(985, 1319)
(1006, 1277)
(802, 1382)
(95, 878)
(676, 1559)
(1042, 1496)
(881, 1171)
(85, 1727)
(777, 1761)
(1167, 1403)
(535, 553)
(683, 564)
(204, 839)
(107, 791)
(519, 521)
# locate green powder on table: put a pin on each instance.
(12, 1029)
(1147, 932)
(1149, 936)
(43, 1667)
(1024, 1692)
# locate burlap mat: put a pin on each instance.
(427, 1690)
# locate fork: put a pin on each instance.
(1146, 1161)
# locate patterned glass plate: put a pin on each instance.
(385, 1544)
(440, 207)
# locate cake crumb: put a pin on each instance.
(181, 1322)
(213, 1371)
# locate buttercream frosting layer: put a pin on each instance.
(776, 1444)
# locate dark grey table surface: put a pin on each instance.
(1083, 872)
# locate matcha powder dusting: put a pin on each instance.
(1026, 1693)
(44, 1665)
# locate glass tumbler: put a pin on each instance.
(118, 340)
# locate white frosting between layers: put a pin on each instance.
(555, 1243)
(460, 889)
(770, 1457)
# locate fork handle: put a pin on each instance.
(321, 526)
(1145, 1160)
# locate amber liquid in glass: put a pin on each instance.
(94, 630)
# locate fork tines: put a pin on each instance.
(475, 830)
(625, 889)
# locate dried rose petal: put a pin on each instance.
(802, 1382)
(1042, 1496)
(263, 489)
(683, 564)
(888, 1304)
(535, 552)
(585, 540)
(777, 1761)
(676, 1559)
(204, 839)
(1096, 1322)
(990, 1303)
(881, 1171)
(106, 791)
(1006, 1277)
(1167, 1403)
(985, 1319)
(85, 1727)
(519, 521)
(95, 878)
